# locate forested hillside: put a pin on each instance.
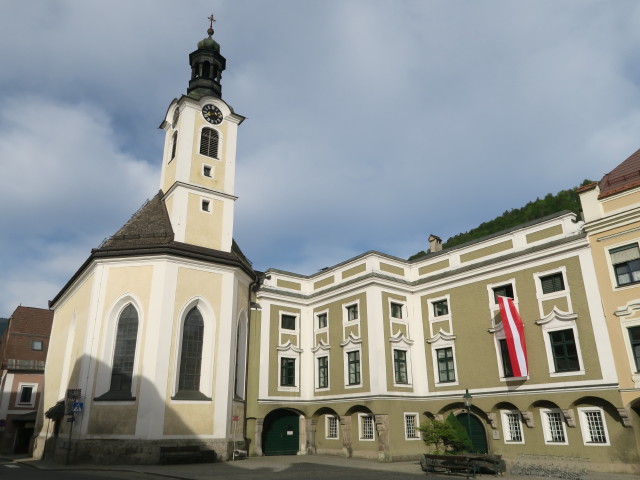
(540, 207)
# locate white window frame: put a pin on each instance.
(441, 318)
(220, 140)
(407, 361)
(317, 321)
(345, 313)
(554, 322)
(296, 358)
(322, 354)
(403, 310)
(416, 426)
(439, 342)
(34, 343)
(560, 293)
(287, 331)
(206, 364)
(211, 168)
(327, 427)
(506, 430)
(584, 426)
(546, 426)
(34, 390)
(205, 205)
(361, 427)
(494, 308)
(346, 367)
(612, 274)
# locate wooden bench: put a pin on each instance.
(450, 464)
(186, 454)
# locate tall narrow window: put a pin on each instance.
(353, 360)
(26, 392)
(366, 427)
(396, 310)
(446, 367)
(400, 366)
(411, 426)
(287, 372)
(191, 351)
(332, 426)
(174, 142)
(634, 338)
(352, 312)
(323, 372)
(565, 352)
(322, 320)
(506, 360)
(125, 350)
(440, 308)
(553, 423)
(594, 429)
(209, 142)
(512, 427)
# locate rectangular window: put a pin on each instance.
(366, 427)
(594, 430)
(322, 320)
(503, 291)
(26, 391)
(332, 426)
(206, 171)
(634, 338)
(396, 310)
(440, 308)
(565, 352)
(554, 426)
(288, 322)
(400, 366)
(446, 367)
(513, 428)
(506, 360)
(552, 283)
(323, 372)
(411, 425)
(287, 372)
(626, 264)
(36, 345)
(206, 205)
(352, 312)
(353, 362)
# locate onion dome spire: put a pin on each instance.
(206, 67)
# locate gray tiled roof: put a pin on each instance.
(150, 225)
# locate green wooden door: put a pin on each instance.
(281, 433)
(476, 434)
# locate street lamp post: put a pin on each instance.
(467, 403)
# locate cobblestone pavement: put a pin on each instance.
(310, 467)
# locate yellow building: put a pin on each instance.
(149, 336)
(611, 211)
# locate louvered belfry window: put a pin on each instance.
(209, 142)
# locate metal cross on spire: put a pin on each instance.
(211, 20)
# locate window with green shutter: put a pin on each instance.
(552, 283)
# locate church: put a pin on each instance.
(166, 341)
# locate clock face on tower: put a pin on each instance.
(212, 114)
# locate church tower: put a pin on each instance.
(149, 335)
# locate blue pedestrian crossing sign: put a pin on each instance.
(77, 407)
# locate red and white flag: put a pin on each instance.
(514, 334)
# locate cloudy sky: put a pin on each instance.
(371, 123)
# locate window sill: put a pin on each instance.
(566, 374)
(115, 396)
(191, 395)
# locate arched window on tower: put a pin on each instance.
(125, 351)
(209, 142)
(174, 142)
(191, 352)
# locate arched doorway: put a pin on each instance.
(475, 430)
(281, 433)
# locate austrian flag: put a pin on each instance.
(514, 334)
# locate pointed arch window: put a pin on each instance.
(125, 351)
(209, 142)
(191, 352)
(174, 142)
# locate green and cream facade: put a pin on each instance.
(363, 353)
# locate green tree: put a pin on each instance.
(448, 436)
(460, 440)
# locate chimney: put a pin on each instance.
(435, 243)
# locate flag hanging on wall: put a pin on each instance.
(514, 334)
